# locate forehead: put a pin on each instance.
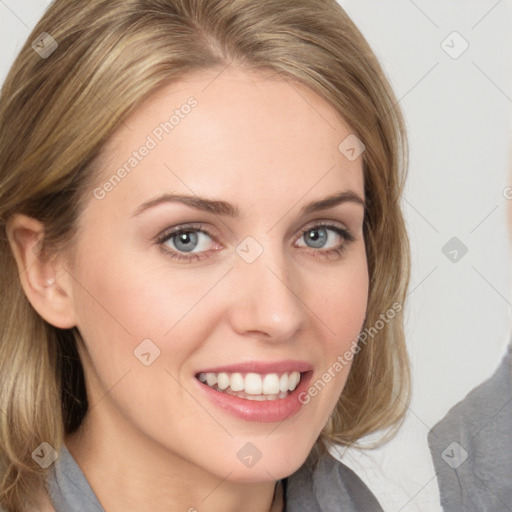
(230, 135)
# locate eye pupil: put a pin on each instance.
(185, 241)
(316, 237)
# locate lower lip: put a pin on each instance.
(269, 411)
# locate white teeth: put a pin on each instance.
(211, 379)
(293, 380)
(223, 380)
(271, 384)
(283, 383)
(253, 386)
(237, 382)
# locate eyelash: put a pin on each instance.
(344, 233)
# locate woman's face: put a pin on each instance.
(225, 246)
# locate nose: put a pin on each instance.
(266, 300)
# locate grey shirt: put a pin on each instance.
(329, 487)
(472, 447)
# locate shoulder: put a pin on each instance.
(486, 407)
(481, 404)
(471, 446)
(324, 484)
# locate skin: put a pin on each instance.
(150, 440)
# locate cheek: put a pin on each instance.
(341, 306)
(343, 303)
(122, 299)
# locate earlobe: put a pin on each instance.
(44, 281)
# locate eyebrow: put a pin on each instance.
(348, 196)
(223, 208)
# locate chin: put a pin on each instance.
(270, 463)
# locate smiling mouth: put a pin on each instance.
(253, 386)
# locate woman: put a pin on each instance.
(202, 243)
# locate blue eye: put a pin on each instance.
(188, 243)
(316, 238)
(188, 240)
(324, 237)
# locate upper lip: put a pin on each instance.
(261, 367)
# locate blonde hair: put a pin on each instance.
(56, 114)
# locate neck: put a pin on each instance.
(146, 476)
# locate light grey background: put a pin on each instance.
(458, 112)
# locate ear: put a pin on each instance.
(45, 282)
